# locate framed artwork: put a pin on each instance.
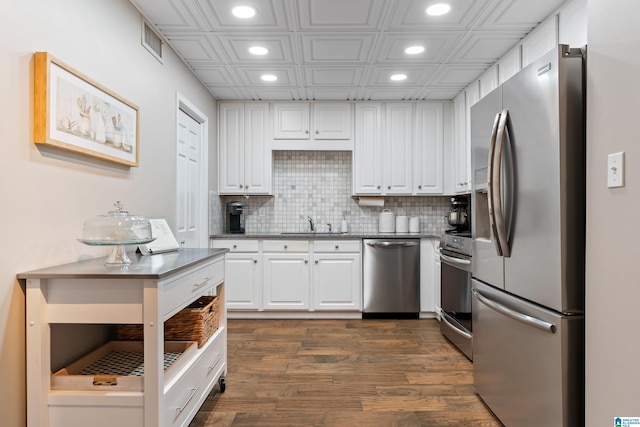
(75, 113)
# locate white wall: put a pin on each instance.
(46, 195)
(613, 253)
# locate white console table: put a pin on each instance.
(147, 292)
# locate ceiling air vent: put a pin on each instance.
(151, 41)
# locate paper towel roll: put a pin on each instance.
(371, 201)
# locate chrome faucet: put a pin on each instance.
(312, 227)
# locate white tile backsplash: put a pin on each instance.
(318, 184)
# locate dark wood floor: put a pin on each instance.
(343, 373)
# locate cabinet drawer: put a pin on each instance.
(174, 295)
(212, 362)
(183, 397)
(333, 246)
(237, 245)
(285, 246)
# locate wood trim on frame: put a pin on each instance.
(75, 113)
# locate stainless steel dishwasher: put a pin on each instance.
(391, 277)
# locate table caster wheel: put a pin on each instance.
(223, 385)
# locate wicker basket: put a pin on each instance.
(196, 322)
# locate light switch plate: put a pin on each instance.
(615, 170)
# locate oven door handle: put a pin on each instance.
(455, 260)
(456, 329)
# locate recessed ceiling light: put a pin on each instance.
(243, 11)
(258, 50)
(414, 50)
(269, 77)
(438, 9)
(398, 77)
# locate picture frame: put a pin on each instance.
(75, 113)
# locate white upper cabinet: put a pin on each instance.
(428, 142)
(509, 65)
(540, 41)
(367, 153)
(312, 126)
(398, 149)
(461, 152)
(332, 120)
(291, 120)
(245, 155)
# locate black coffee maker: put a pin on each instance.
(235, 218)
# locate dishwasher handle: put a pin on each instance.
(391, 244)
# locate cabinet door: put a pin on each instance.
(398, 142)
(332, 120)
(231, 143)
(257, 152)
(243, 281)
(427, 276)
(336, 282)
(428, 145)
(291, 120)
(367, 155)
(461, 148)
(286, 281)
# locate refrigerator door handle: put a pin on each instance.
(490, 187)
(499, 226)
(529, 320)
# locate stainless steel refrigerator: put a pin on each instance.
(528, 222)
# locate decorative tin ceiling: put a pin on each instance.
(342, 49)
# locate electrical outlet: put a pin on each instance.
(615, 170)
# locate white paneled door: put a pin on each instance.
(191, 209)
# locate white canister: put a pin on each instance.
(402, 224)
(386, 222)
(414, 224)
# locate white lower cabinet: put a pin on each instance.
(429, 271)
(275, 275)
(337, 275)
(243, 271)
(286, 275)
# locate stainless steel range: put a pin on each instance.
(455, 289)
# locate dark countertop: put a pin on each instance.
(325, 236)
(155, 266)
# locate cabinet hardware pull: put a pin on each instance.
(240, 185)
(255, 261)
(316, 261)
(214, 363)
(193, 393)
(378, 187)
(337, 247)
(197, 285)
(235, 246)
(306, 261)
(388, 187)
(317, 132)
(419, 187)
(306, 131)
(285, 246)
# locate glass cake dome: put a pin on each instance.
(117, 228)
